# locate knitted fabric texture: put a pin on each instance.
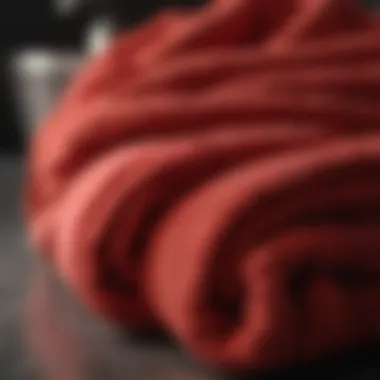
(215, 175)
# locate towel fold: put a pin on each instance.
(215, 174)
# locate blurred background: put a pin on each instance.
(42, 43)
(43, 334)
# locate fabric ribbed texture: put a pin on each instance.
(215, 175)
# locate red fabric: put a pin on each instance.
(215, 174)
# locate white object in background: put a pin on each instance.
(40, 76)
(98, 35)
(100, 29)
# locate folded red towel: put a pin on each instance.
(214, 174)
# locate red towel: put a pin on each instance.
(215, 175)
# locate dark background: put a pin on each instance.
(26, 23)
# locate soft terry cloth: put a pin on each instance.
(216, 175)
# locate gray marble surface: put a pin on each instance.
(15, 267)
(45, 334)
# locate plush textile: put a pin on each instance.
(216, 175)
